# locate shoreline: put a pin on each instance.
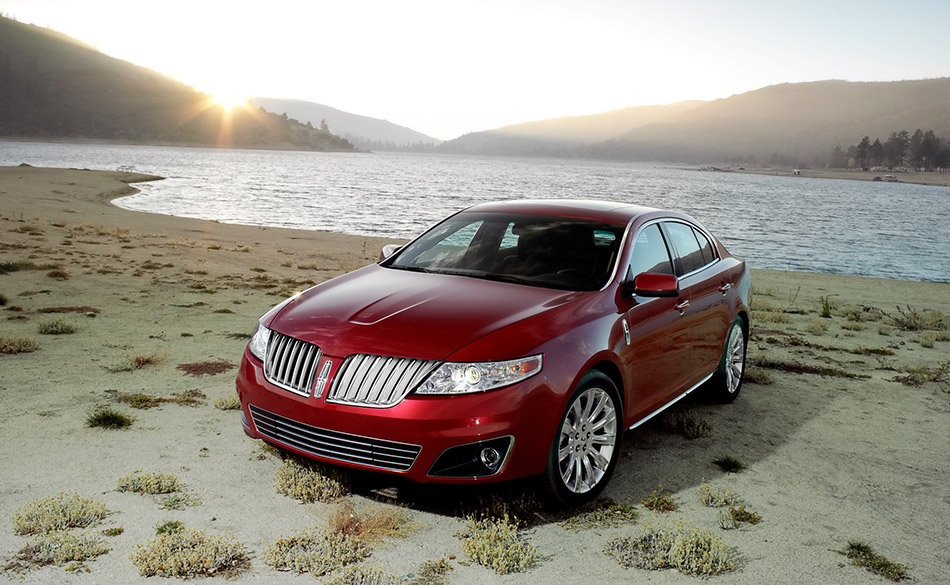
(847, 455)
(930, 179)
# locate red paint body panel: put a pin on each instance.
(379, 310)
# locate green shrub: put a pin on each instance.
(729, 464)
(497, 545)
(191, 553)
(108, 418)
(862, 555)
(150, 482)
(310, 482)
(169, 527)
(62, 512)
(671, 545)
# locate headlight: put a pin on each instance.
(258, 343)
(462, 378)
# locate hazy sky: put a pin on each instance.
(447, 67)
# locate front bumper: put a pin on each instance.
(424, 438)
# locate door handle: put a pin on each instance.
(681, 307)
(725, 287)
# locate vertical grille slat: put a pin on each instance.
(377, 381)
(291, 363)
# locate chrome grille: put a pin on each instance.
(378, 381)
(334, 444)
(291, 363)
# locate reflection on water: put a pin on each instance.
(844, 227)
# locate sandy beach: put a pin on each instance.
(835, 447)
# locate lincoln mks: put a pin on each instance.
(512, 339)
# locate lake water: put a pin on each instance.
(890, 230)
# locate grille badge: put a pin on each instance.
(322, 378)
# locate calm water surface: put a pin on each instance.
(843, 227)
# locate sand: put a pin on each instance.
(829, 459)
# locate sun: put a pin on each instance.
(229, 100)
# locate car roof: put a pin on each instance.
(589, 209)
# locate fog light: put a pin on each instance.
(490, 457)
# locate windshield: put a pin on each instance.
(552, 252)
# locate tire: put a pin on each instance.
(728, 379)
(586, 443)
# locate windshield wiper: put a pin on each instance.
(408, 268)
(513, 278)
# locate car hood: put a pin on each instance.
(386, 311)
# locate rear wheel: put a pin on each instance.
(728, 380)
(587, 443)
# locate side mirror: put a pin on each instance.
(388, 250)
(653, 284)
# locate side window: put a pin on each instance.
(688, 255)
(709, 255)
(650, 253)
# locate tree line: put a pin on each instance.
(921, 151)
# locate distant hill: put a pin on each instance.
(793, 123)
(564, 136)
(53, 86)
(363, 131)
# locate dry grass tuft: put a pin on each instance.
(59, 548)
(731, 519)
(602, 513)
(11, 345)
(685, 423)
(310, 482)
(229, 402)
(659, 500)
(497, 545)
(671, 545)
(363, 575)
(191, 553)
(55, 513)
(721, 497)
(210, 368)
(55, 327)
(756, 375)
(314, 551)
(150, 482)
(372, 526)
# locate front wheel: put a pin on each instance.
(728, 380)
(587, 443)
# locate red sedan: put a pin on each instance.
(512, 339)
